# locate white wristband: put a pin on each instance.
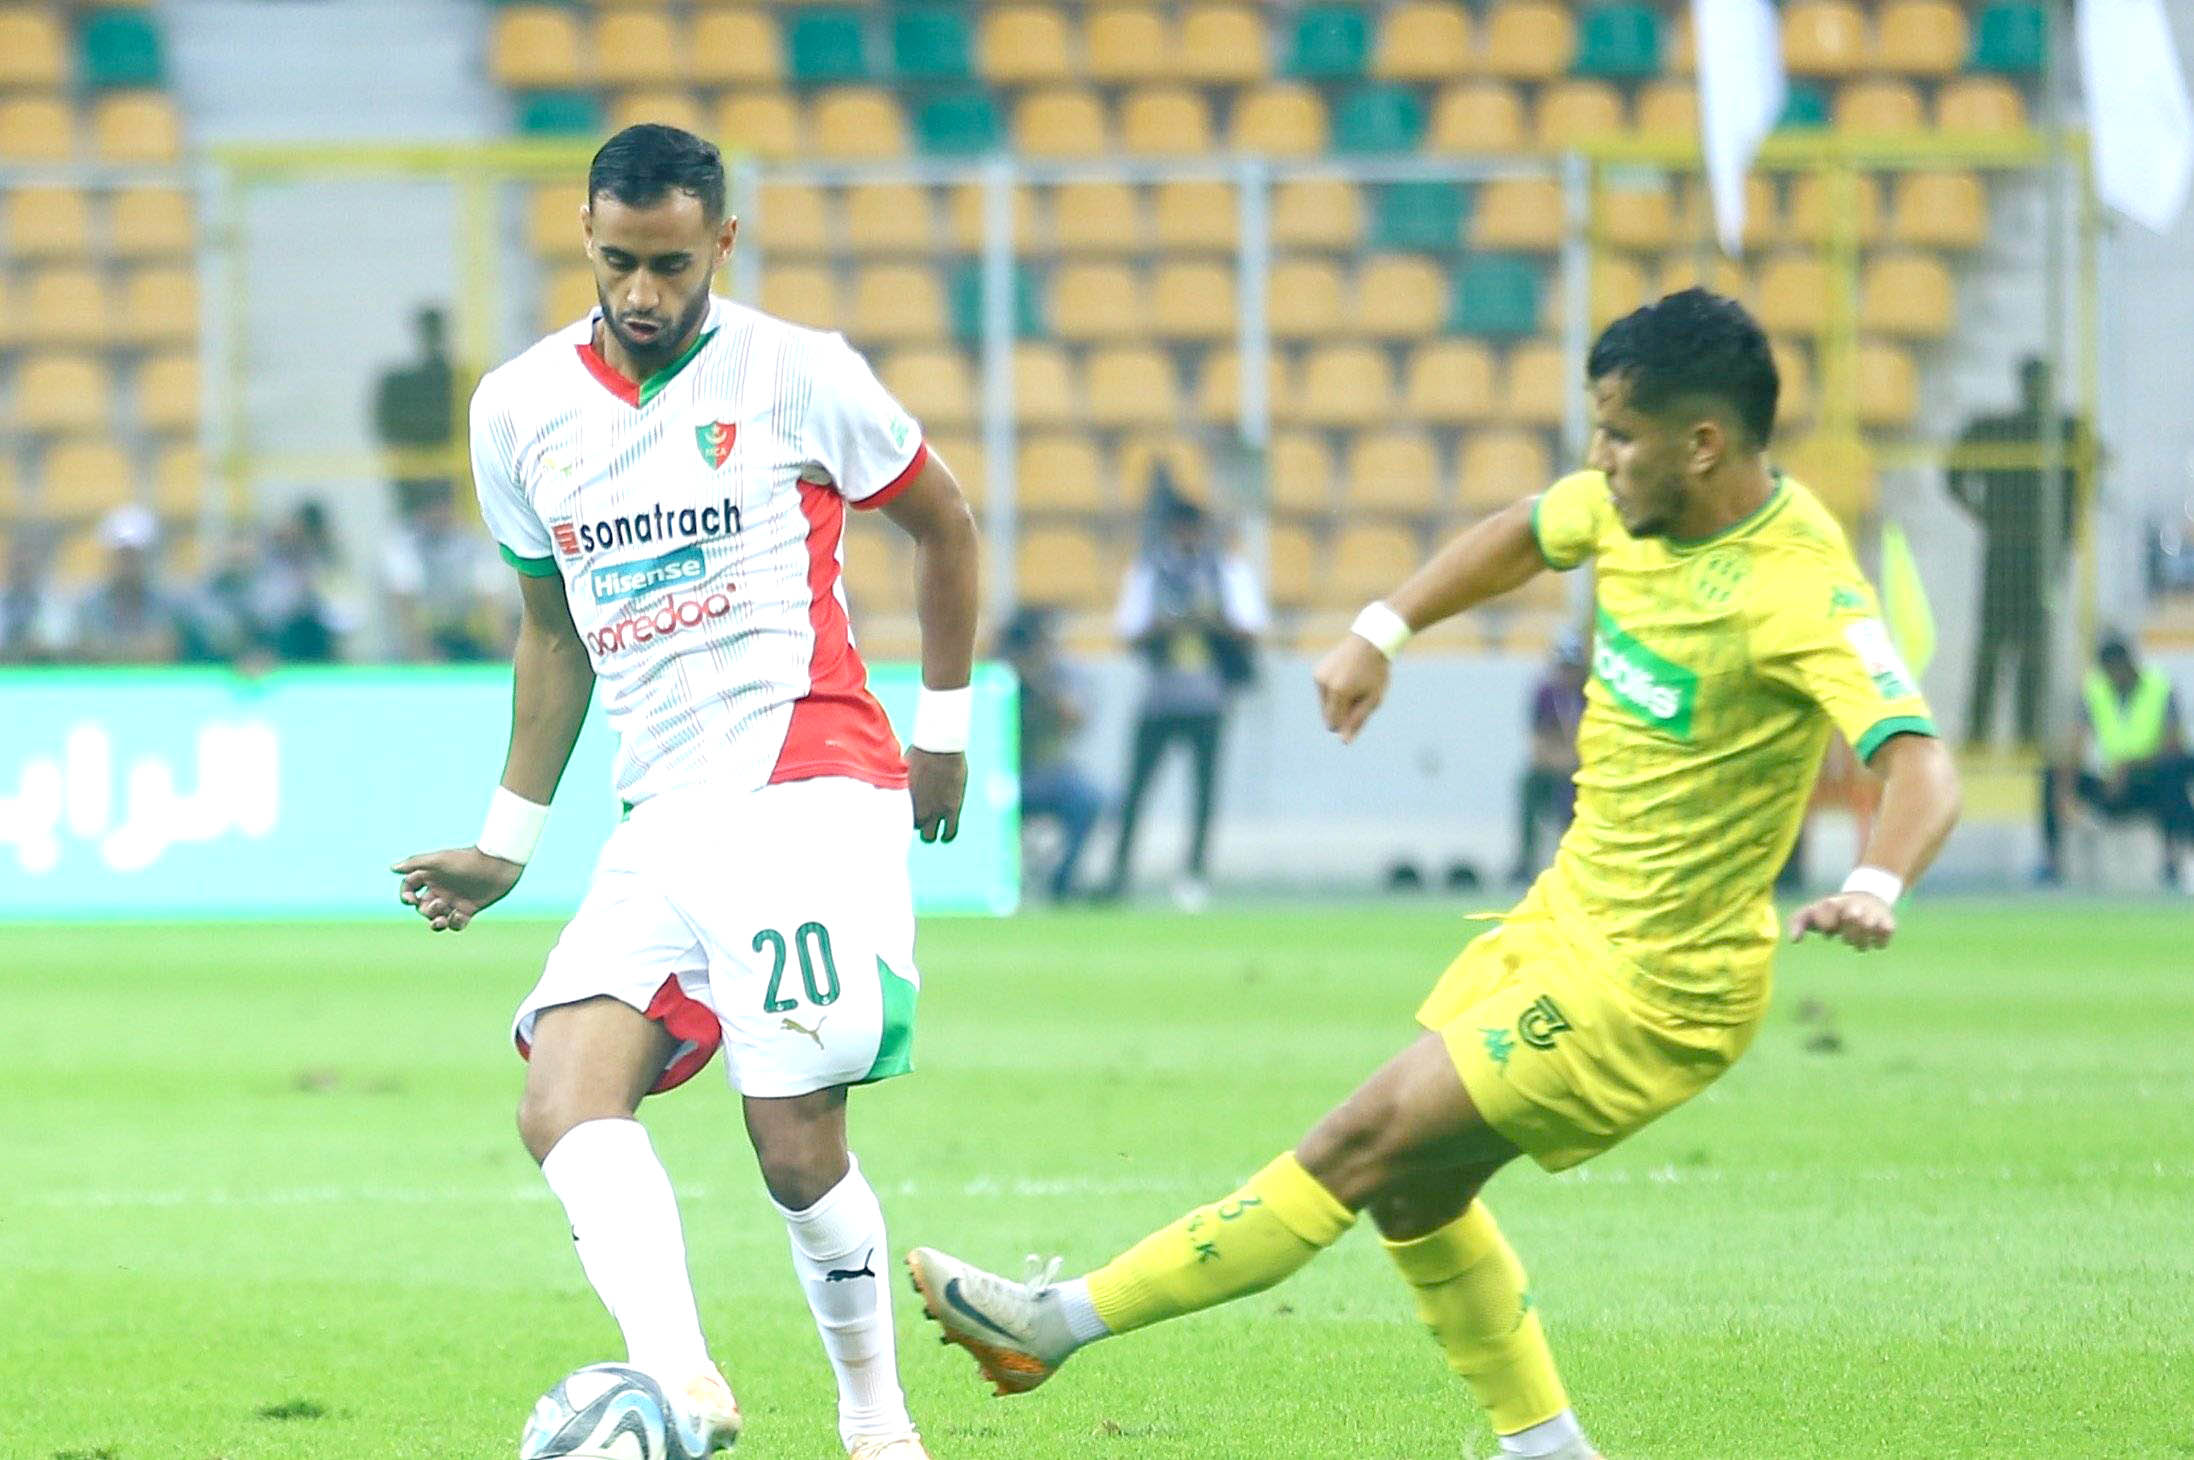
(1887, 886)
(512, 828)
(1385, 629)
(941, 719)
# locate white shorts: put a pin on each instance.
(777, 923)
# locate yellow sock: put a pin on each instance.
(1470, 1292)
(1244, 1244)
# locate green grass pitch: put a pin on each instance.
(260, 1196)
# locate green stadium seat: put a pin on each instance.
(967, 304)
(2011, 36)
(958, 123)
(1805, 109)
(1381, 118)
(1619, 41)
(121, 48)
(931, 43)
(1421, 215)
(559, 113)
(1496, 295)
(1330, 41)
(827, 45)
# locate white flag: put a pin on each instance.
(1741, 94)
(2138, 116)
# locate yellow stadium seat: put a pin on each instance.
(160, 305)
(552, 219)
(935, 383)
(1449, 383)
(1304, 298)
(1794, 295)
(1423, 40)
(1979, 104)
(1575, 111)
(1763, 212)
(1347, 385)
(1317, 213)
(1530, 40)
(45, 222)
(1939, 210)
(35, 129)
(1921, 37)
(1502, 466)
(1280, 118)
(1127, 43)
(1292, 569)
(791, 219)
(1908, 296)
(1723, 276)
(879, 578)
(1640, 217)
(1825, 38)
(765, 123)
(1794, 399)
(1400, 296)
(737, 47)
(1369, 558)
(1669, 108)
(179, 479)
(1097, 218)
(136, 126)
(1618, 286)
(1535, 386)
(535, 47)
(1193, 300)
(803, 293)
(62, 393)
(898, 302)
(66, 305)
(1021, 45)
(1518, 213)
(1071, 568)
(1043, 386)
(1889, 386)
(1816, 207)
(1477, 116)
(1062, 122)
(33, 50)
(1299, 472)
(665, 106)
(1141, 457)
(889, 218)
(1879, 106)
(1395, 469)
(567, 294)
(965, 459)
(1838, 469)
(1100, 301)
(1197, 217)
(1058, 473)
(1219, 391)
(964, 207)
(1165, 121)
(858, 123)
(85, 478)
(1223, 45)
(167, 393)
(639, 47)
(1130, 385)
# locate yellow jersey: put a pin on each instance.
(1718, 667)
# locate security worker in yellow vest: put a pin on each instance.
(2129, 719)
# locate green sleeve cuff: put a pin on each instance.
(531, 567)
(1895, 725)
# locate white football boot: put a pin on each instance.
(896, 1447)
(705, 1413)
(1015, 1330)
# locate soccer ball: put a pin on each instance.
(605, 1412)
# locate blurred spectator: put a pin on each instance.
(2129, 719)
(1547, 794)
(447, 587)
(263, 603)
(127, 617)
(1191, 612)
(415, 413)
(2015, 514)
(1053, 709)
(34, 623)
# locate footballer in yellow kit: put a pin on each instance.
(1731, 632)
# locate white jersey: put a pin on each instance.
(697, 522)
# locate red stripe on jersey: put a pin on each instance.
(837, 727)
(898, 483)
(698, 1031)
(616, 384)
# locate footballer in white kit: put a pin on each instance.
(670, 477)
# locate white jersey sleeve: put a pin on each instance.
(516, 527)
(856, 436)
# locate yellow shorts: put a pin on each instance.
(1555, 1054)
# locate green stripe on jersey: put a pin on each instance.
(895, 1046)
(531, 567)
(653, 385)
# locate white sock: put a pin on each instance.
(1546, 1437)
(624, 1221)
(844, 1262)
(1080, 1313)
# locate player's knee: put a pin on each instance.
(1353, 1152)
(546, 1117)
(799, 1175)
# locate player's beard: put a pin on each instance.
(652, 354)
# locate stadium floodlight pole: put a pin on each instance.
(1576, 297)
(1000, 325)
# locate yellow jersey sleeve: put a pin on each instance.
(1569, 518)
(1821, 633)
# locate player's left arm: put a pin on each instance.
(1920, 801)
(934, 512)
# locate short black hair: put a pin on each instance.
(1692, 343)
(642, 163)
(2115, 648)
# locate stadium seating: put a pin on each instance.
(1420, 215)
(1305, 299)
(66, 305)
(1498, 467)
(1022, 45)
(1369, 558)
(889, 218)
(1130, 385)
(57, 393)
(1400, 296)
(33, 48)
(1193, 300)
(1223, 45)
(1292, 563)
(802, 293)
(1074, 569)
(35, 128)
(1817, 205)
(936, 384)
(167, 394)
(1062, 122)
(150, 222)
(958, 123)
(1668, 108)
(1282, 119)
(1529, 40)
(898, 303)
(1574, 112)
(931, 43)
(1057, 472)
(1985, 104)
(84, 477)
(1395, 469)
(1619, 40)
(1300, 473)
(665, 106)
(1879, 106)
(639, 47)
(1328, 43)
(534, 47)
(790, 219)
(1128, 44)
(1921, 37)
(1518, 213)
(1449, 382)
(1165, 122)
(1424, 40)
(1043, 386)
(1196, 217)
(857, 124)
(1381, 118)
(1641, 219)
(1347, 385)
(1939, 210)
(2011, 36)
(1906, 296)
(1218, 396)
(1098, 301)
(1825, 38)
(1535, 384)
(1317, 213)
(736, 47)
(1794, 293)
(48, 222)
(765, 123)
(1098, 218)
(1476, 117)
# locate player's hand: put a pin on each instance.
(1859, 918)
(449, 888)
(938, 781)
(1351, 681)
